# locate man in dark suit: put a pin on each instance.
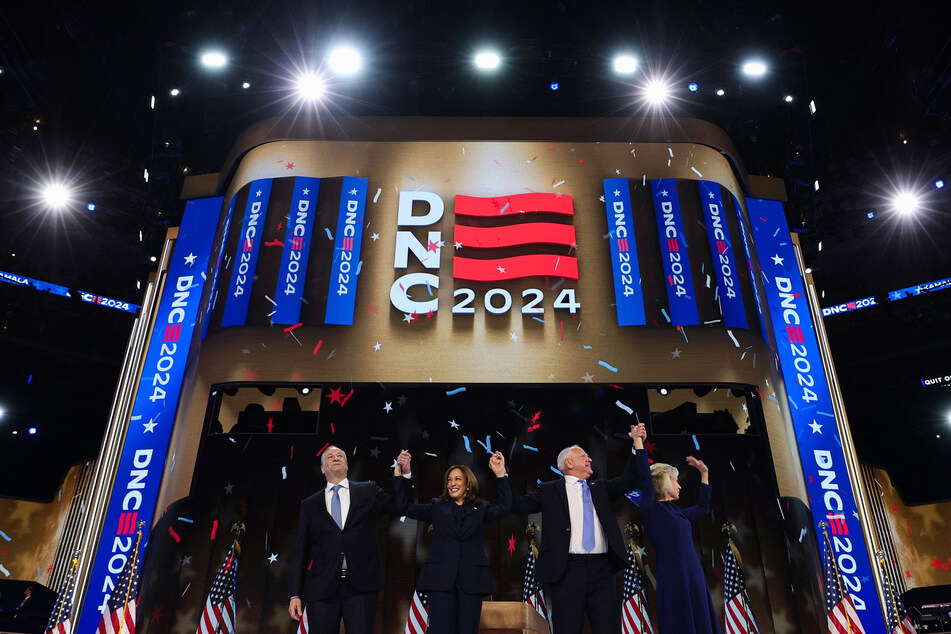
(335, 566)
(581, 547)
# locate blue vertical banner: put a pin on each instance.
(246, 258)
(219, 252)
(810, 402)
(724, 262)
(300, 231)
(139, 475)
(741, 222)
(628, 294)
(673, 253)
(342, 292)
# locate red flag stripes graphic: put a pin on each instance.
(519, 229)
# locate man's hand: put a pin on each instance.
(295, 609)
(404, 462)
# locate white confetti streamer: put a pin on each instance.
(624, 407)
(735, 342)
(695, 171)
(378, 192)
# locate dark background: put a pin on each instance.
(83, 75)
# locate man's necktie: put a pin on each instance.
(587, 513)
(338, 516)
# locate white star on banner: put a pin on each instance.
(149, 427)
(306, 191)
(778, 261)
(190, 259)
(816, 427)
(353, 192)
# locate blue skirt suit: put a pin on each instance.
(456, 573)
(684, 604)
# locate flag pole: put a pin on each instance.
(835, 568)
(729, 529)
(72, 571)
(128, 588)
(880, 554)
(238, 529)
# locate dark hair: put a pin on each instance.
(471, 495)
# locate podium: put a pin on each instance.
(511, 617)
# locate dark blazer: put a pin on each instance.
(551, 499)
(456, 553)
(321, 545)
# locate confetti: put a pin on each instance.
(185, 519)
(557, 471)
(171, 531)
(663, 311)
(696, 443)
(607, 365)
(186, 588)
(329, 235)
(4, 570)
(431, 454)
(541, 321)
(377, 196)
(502, 211)
(468, 448)
(322, 448)
(802, 534)
(780, 505)
(5, 536)
(320, 342)
(735, 342)
(695, 171)
(624, 407)
(455, 391)
(290, 328)
(530, 448)
(284, 473)
(270, 300)
(557, 184)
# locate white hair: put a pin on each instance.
(323, 455)
(663, 474)
(563, 455)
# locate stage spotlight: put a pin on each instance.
(906, 203)
(246, 85)
(720, 92)
(345, 60)
(152, 259)
(812, 106)
(663, 391)
(693, 87)
(870, 215)
(808, 271)
(305, 390)
(32, 431)
(174, 92)
(788, 98)
(656, 92)
(213, 59)
(625, 64)
(754, 68)
(310, 87)
(56, 195)
(939, 184)
(91, 206)
(554, 85)
(2, 412)
(487, 60)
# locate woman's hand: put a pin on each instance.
(702, 468)
(403, 462)
(497, 464)
(638, 434)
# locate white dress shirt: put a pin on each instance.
(575, 512)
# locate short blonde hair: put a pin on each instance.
(662, 473)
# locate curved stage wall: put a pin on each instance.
(450, 296)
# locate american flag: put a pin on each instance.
(304, 626)
(61, 620)
(532, 592)
(842, 617)
(218, 617)
(120, 616)
(895, 614)
(634, 616)
(738, 613)
(418, 619)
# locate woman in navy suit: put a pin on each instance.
(456, 574)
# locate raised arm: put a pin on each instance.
(503, 487)
(646, 485)
(702, 507)
(402, 488)
(629, 477)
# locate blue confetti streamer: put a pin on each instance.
(455, 391)
(468, 448)
(607, 365)
(488, 444)
(624, 407)
(557, 471)
(598, 429)
(530, 448)
(185, 519)
(5, 536)
(329, 235)
(541, 321)
(586, 347)
(695, 443)
(664, 312)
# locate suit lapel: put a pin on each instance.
(355, 501)
(561, 490)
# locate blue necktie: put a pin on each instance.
(587, 514)
(335, 506)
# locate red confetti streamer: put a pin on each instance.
(319, 342)
(615, 386)
(322, 449)
(171, 531)
(214, 529)
(274, 243)
(295, 326)
(894, 508)
(346, 398)
(332, 429)
(534, 427)
(292, 452)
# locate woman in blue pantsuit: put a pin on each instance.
(456, 574)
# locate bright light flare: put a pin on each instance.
(656, 92)
(906, 203)
(625, 64)
(345, 60)
(487, 60)
(56, 195)
(754, 68)
(310, 87)
(214, 59)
